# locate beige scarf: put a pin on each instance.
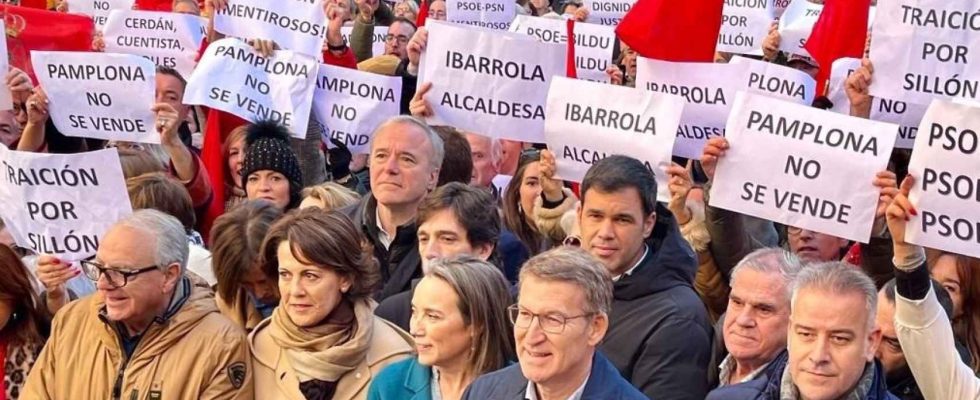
(329, 350)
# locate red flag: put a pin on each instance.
(570, 52)
(39, 4)
(32, 29)
(155, 5)
(673, 30)
(219, 125)
(840, 32)
(423, 13)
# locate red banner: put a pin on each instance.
(32, 29)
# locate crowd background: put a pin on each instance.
(447, 264)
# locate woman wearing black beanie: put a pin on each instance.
(270, 169)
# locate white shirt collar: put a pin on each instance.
(531, 393)
(384, 237)
(727, 368)
(646, 250)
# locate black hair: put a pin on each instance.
(619, 172)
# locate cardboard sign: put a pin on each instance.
(297, 25)
(350, 104)
(62, 204)
(483, 78)
(797, 22)
(377, 39)
(608, 12)
(588, 121)
(947, 180)
(906, 115)
(99, 95)
(233, 78)
(744, 25)
(818, 166)
(778, 81)
(593, 43)
(708, 90)
(491, 14)
(167, 39)
(926, 49)
(98, 9)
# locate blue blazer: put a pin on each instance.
(404, 380)
(509, 383)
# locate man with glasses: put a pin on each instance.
(149, 333)
(561, 315)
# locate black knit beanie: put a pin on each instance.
(267, 148)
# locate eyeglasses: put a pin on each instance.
(551, 323)
(117, 278)
(402, 39)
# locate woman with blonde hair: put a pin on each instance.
(323, 340)
(328, 196)
(461, 332)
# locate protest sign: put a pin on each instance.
(486, 80)
(744, 25)
(297, 25)
(708, 88)
(925, 49)
(98, 9)
(593, 43)
(906, 115)
(99, 95)
(802, 167)
(491, 14)
(947, 180)
(62, 204)
(350, 104)
(797, 22)
(6, 99)
(778, 81)
(167, 39)
(608, 12)
(233, 78)
(588, 121)
(377, 39)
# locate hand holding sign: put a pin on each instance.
(419, 106)
(54, 274)
(19, 84)
(856, 86)
(550, 187)
(615, 75)
(415, 48)
(713, 151)
(37, 107)
(366, 9)
(887, 184)
(679, 184)
(770, 45)
(900, 211)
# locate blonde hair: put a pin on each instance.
(333, 195)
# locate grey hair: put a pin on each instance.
(438, 148)
(576, 266)
(838, 278)
(172, 245)
(411, 5)
(772, 260)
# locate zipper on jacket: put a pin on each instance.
(117, 387)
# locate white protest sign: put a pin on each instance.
(377, 39)
(62, 204)
(486, 79)
(925, 49)
(350, 104)
(778, 81)
(491, 14)
(588, 121)
(797, 22)
(233, 78)
(593, 43)
(818, 166)
(99, 95)
(297, 25)
(98, 9)
(744, 25)
(947, 180)
(6, 99)
(708, 88)
(168, 39)
(608, 12)
(906, 115)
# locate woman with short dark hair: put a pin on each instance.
(323, 340)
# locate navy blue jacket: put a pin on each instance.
(510, 384)
(766, 386)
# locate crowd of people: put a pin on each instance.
(447, 264)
